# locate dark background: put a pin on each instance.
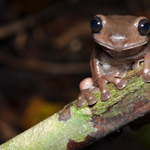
(40, 42)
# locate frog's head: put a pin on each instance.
(118, 33)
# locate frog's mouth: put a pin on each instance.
(121, 47)
(127, 52)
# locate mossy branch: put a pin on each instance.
(74, 127)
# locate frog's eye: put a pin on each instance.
(96, 24)
(144, 27)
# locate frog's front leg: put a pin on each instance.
(88, 84)
(146, 68)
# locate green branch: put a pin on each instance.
(74, 127)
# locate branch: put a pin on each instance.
(74, 127)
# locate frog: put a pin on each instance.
(121, 42)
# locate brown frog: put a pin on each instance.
(121, 42)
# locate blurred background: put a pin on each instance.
(45, 48)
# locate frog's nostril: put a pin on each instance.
(118, 38)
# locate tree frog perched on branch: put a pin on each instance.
(121, 42)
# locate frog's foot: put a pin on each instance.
(86, 94)
(146, 68)
(120, 83)
(102, 81)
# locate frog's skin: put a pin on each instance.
(121, 42)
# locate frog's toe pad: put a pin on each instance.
(105, 95)
(81, 100)
(89, 97)
(146, 76)
(121, 83)
(91, 100)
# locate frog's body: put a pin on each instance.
(121, 42)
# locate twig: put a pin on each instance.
(53, 68)
(16, 26)
(30, 21)
(77, 30)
